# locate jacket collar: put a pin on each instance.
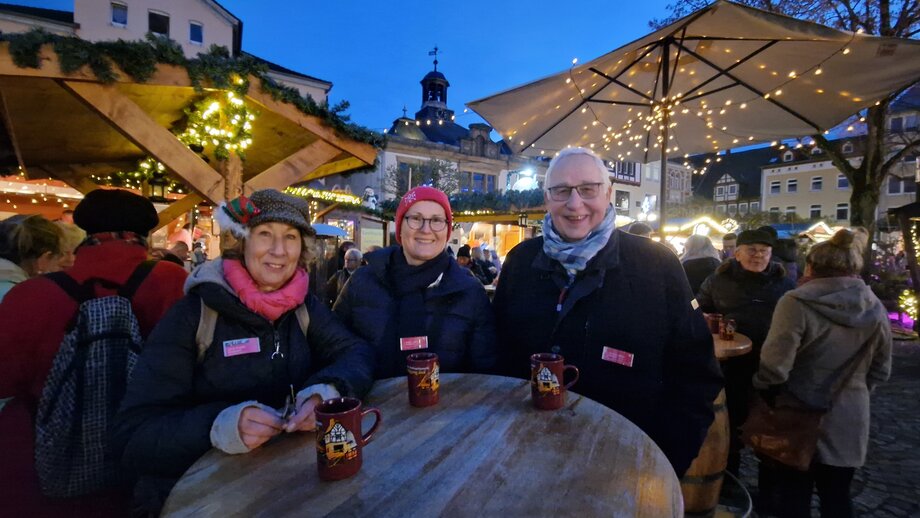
(607, 258)
(377, 263)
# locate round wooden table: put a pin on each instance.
(741, 345)
(482, 451)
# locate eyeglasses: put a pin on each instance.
(750, 250)
(436, 224)
(587, 191)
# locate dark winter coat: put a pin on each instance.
(633, 296)
(172, 399)
(460, 323)
(698, 269)
(747, 297)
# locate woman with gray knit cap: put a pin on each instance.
(274, 353)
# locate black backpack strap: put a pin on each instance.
(137, 277)
(71, 287)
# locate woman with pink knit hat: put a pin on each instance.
(413, 297)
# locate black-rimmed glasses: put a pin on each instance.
(436, 224)
(587, 191)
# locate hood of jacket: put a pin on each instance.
(11, 272)
(845, 301)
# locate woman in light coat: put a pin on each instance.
(817, 330)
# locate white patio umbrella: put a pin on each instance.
(722, 77)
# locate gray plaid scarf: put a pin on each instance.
(574, 256)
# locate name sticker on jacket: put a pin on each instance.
(241, 346)
(694, 304)
(617, 356)
(412, 343)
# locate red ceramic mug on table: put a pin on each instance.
(546, 378)
(424, 379)
(338, 436)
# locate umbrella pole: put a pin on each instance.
(662, 218)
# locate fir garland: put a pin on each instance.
(221, 121)
(510, 202)
(214, 68)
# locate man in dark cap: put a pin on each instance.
(744, 289)
(36, 314)
(465, 260)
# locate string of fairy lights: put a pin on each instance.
(626, 140)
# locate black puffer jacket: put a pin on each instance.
(458, 317)
(172, 400)
(632, 297)
(747, 297)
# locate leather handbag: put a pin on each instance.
(788, 430)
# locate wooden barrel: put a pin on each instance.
(703, 481)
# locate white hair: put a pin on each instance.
(354, 253)
(601, 168)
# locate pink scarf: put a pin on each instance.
(272, 304)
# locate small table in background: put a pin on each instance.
(482, 451)
(740, 346)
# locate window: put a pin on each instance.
(790, 211)
(788, 156)
(733, 189)
(482, 182)
(897, 125)
(196, 33)
(901, 185)
(816, 150)
(842, 182)
(621, 202)
(119, 15)
(755, 206)
(158, 23)
(774, 210)
(742, 208)
(720, 190)
(792, 185)
(817, 183)
(774, 187)
(732, 209)
(847, 147)
(843, 211)
(720, 209)
(626, 172)
(814, 212)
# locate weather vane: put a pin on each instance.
(435, 54)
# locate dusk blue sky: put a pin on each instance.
(375, 52)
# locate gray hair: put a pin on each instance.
(354, 253)
(572, 151)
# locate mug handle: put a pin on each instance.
(567, 367)
(366, 438)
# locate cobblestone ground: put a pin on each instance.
(888, 486)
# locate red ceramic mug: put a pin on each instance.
(338, 436)
(424, 379)
(546, 377)
(713, 321)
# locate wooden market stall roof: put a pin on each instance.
(69, 126)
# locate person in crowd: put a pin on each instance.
(640, 229)
(180, 250)
(489, 272)
(818, 331)
(744, 289)
(615, 305)
(784, 252)
(465, 260)
(700, 259)
(29, 246)
(162, 254)
(729, 241)
(353, 260)
(185, 398)
(35, 316)
(496, 262)
(71, 237)
(181, 235)
(413, 295)
(67, 216)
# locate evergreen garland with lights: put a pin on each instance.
(215, 68)
(222, 121)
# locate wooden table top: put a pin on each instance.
(730, 348)
(482, 451)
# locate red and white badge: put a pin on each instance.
(413, 343)
(617, 356)
(241, 346)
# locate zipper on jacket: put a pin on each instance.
(277, 353)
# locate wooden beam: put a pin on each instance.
(70, 175)
(364, 152)
(178, 208)
(334, 168)
(510, 219)
(131, 121)
(325, 211)
(295, 167)
(8, 123)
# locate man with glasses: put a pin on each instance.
(615, 305)
(746, 290)
(334, 285)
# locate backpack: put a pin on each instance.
(85, 386)
(208, 321)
